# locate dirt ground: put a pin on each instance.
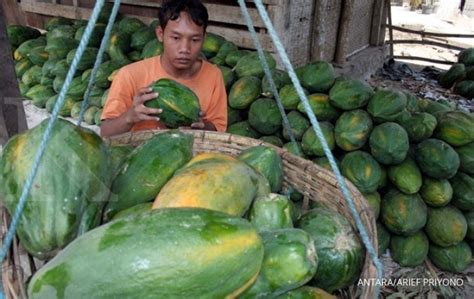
(420, 77)
(446, 20)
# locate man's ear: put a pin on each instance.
(159, 33)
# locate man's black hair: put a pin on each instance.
(171, 9)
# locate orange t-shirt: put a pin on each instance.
(208, 85)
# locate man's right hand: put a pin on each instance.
(139, 112)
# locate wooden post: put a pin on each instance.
(15, 15)
(318, 33)
(12, 114)
(390, 30)
(377, 22)
(343, 35)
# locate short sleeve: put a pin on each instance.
(120, 96)
(217, 112)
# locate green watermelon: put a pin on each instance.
(317, 77)
(243, 92)
(455, 73)
(466, 56)
(419, 126)
(243, 128)
(455, 127)
(383, 238)
(249, 65)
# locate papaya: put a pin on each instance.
(289, 261)
(244, 91)
(350, 94)
(250, 65)
(219, 253)
(454, 74)
(149, 166)
(58, 201)
(270, 212)
(267, 162)
(179, 103)
(328, 229)
(213, 181)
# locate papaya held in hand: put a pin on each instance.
(179, 104)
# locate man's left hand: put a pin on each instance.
(202, 124)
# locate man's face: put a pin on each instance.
(182, 41)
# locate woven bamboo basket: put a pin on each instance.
(315, 183)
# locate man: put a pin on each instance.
(182, 30)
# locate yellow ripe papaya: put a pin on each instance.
(213, 181)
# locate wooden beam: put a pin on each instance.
(423, 59)
(446, 41)
(155, 4)
(217, 13)
(426, 33)
(425, 42)
(242, 38)
(343, 35)
(12, 114)
(49, 9)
